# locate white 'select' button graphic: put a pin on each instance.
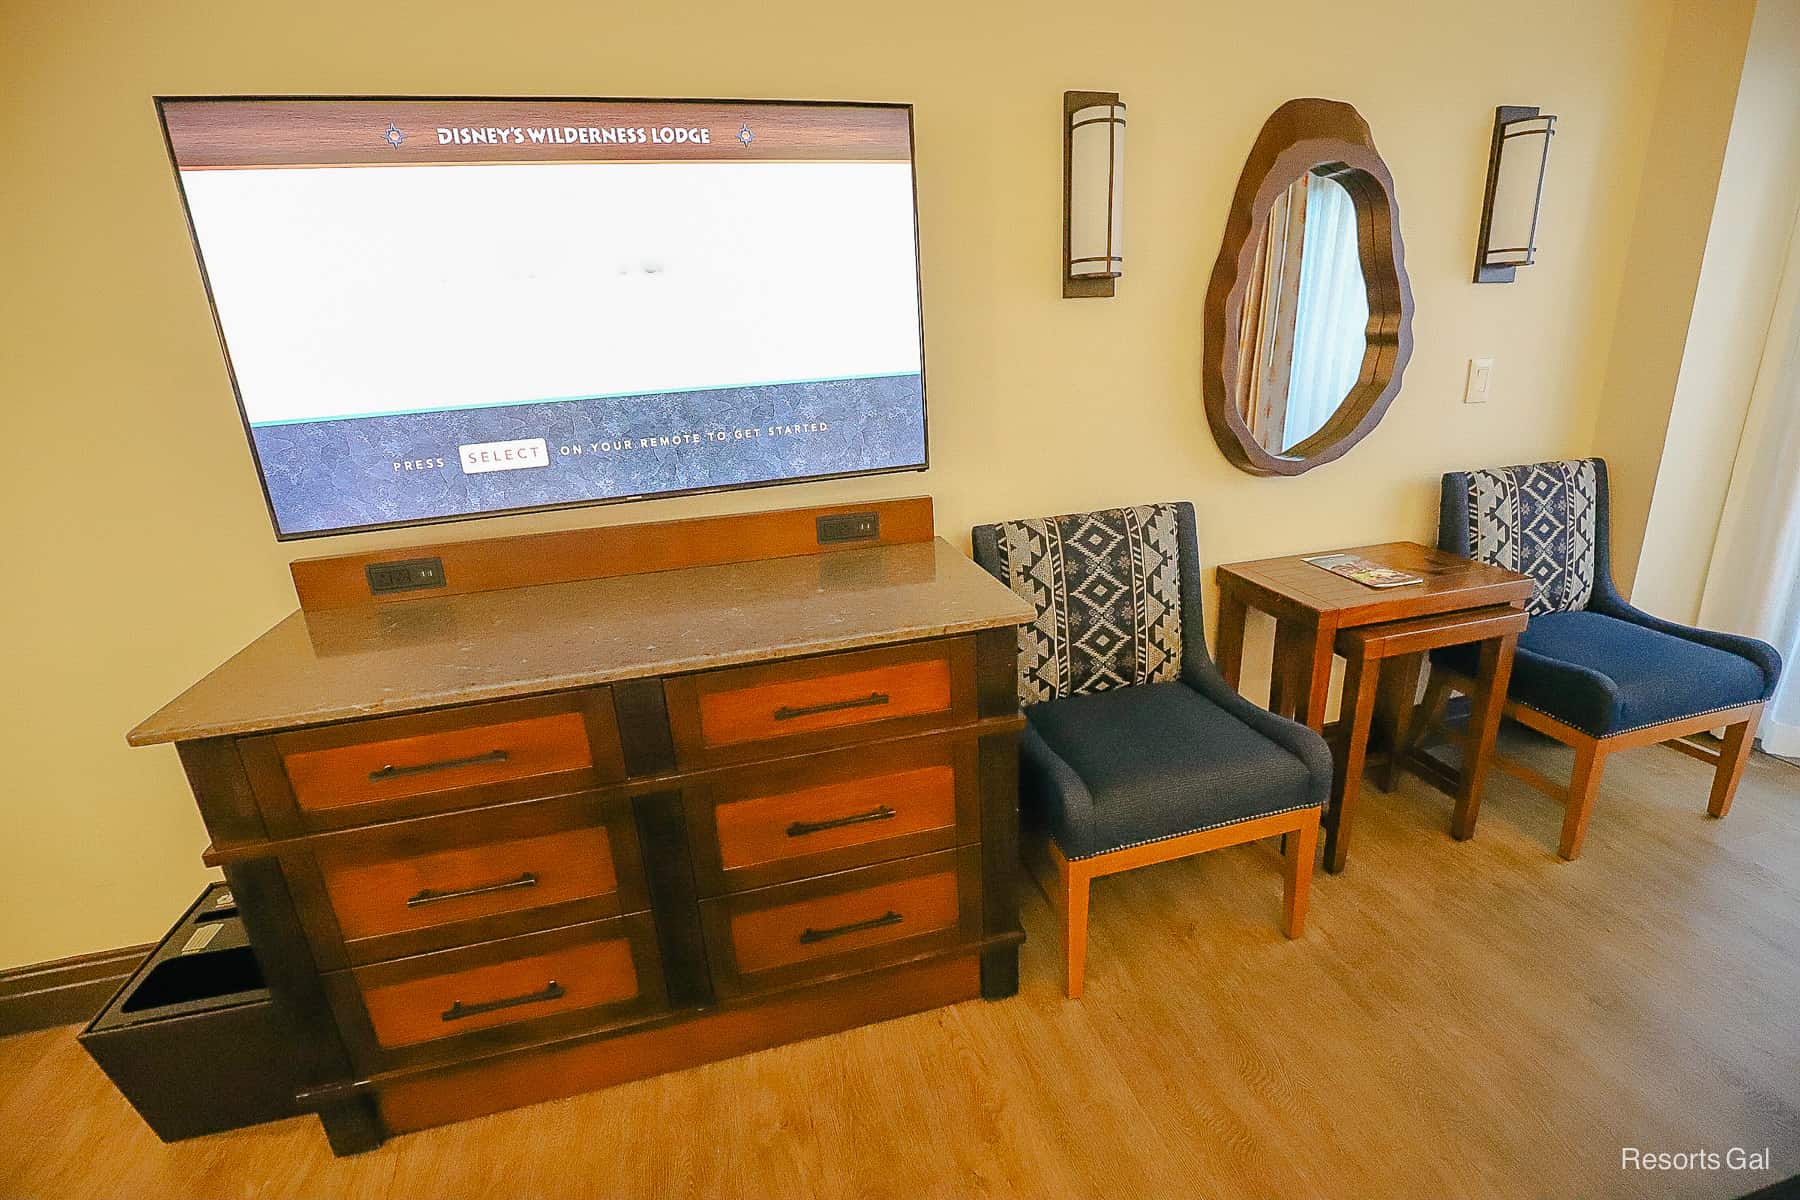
(503, 456)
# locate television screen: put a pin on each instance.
(435, 309)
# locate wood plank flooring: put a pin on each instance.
(1460, 1020)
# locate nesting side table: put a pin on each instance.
(1367, 651)
(1315, 610)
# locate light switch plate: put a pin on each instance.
(1480, 382)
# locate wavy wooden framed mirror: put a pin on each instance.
(1309, 312)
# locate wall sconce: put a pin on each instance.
(1093, 192)
(1515, 189)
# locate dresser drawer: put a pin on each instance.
(396, 766)
(431, 882)
(775, 822)
(849, 921)
(748, 712)
(496, 994)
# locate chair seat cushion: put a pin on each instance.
(1605, 675)
(1161, 760)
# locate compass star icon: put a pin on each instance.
(393, 136)
(745, 136)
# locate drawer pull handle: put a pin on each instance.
(428, 896)
(550, 991)
(872, 700)
(802, 828)
(392, 772)
(809, 936)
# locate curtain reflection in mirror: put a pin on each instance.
(1301, 347)
(1332, 312)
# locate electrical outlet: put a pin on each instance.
(836, 528)
(406, 575)
(1480, 382)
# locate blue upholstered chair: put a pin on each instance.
(1590, 670)
(1136, 750)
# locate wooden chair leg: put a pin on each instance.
(1072, 907)
(1733, 754)
(1296, 891)
(1360, 677)
(1590, 761)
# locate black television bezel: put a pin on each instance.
(262, 479)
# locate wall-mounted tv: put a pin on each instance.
(444, 308)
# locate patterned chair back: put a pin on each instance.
(1106, 587)
(1540, 519)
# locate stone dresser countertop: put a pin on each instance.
(380, 659)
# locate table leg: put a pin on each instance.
(1228, 645)
(1314, 646)
(1284, 670)
(1360, 677)
(1396, 699)
(1484, 725)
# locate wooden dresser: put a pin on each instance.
(694, 789)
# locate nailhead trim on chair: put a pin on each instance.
(1615, 733)
(1169, 836)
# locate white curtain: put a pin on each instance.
(1753, 582)
(1330, 330)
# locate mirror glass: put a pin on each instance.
(1305, 316)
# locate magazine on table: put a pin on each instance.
(1369, 574)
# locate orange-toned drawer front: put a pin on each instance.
(804, 929)
(428, 883)
(825, 700)
(568, 979)
(435, 762)
(776, 822)
(842, 922)
(462, 883)
(533, 1076)
(340, 775)
(834, 815)
(541, 985)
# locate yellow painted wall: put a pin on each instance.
(138, 554)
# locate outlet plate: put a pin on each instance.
(837, 528)
(404, 575)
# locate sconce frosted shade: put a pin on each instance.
(1515, 191)
(1095, 212)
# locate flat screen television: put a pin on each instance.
(434, 309)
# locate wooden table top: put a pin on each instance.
(1290, 586)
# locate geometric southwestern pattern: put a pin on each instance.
(1539, 520)
(1106, 587)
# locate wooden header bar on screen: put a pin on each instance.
(565, 555)
(247, 133)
